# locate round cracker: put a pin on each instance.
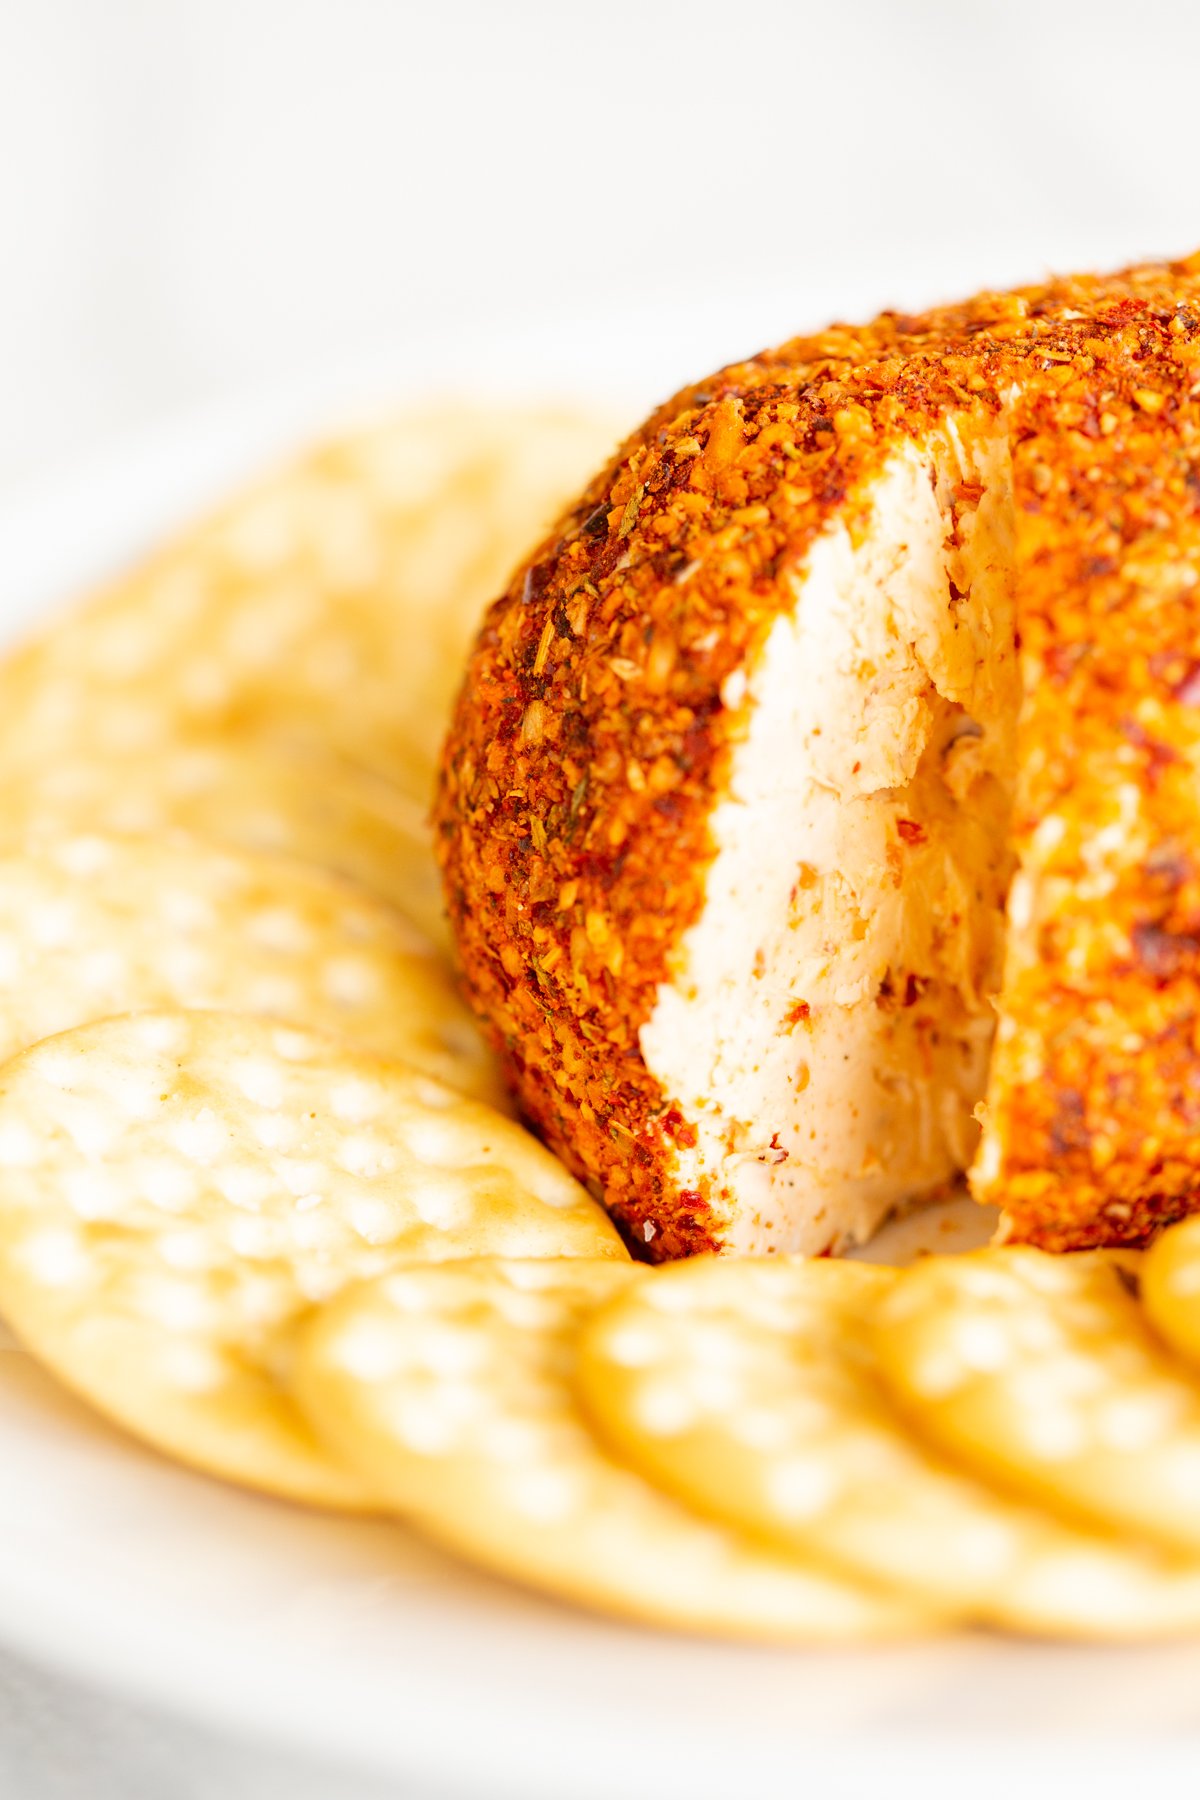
(177, 1190)
(338, 596)
(96, 925)
(1039, 1371)
(1170, 1288)
(250, 792)
(449, 1389)
(747, 1389)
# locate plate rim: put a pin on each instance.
(156, 476)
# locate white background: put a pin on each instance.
(197, 196)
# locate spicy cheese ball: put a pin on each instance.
(828, 783)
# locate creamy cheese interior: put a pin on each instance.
(827, 1027)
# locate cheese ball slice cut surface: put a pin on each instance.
(96, 925)
(828, 1021)
(747, 1389)
(177, 1191)
(450, 1390)
(253, 792)
(1039, 1372)
(818, 1038)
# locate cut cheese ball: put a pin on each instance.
(1170, 1288)
(254, 792)
(449, 1390)
(337, 598)
(1039, 1372)
(96, 925)
(747, 1388)
(852, 706)
(177, 1191)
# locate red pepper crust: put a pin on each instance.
(590, 741)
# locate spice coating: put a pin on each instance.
(595, 725)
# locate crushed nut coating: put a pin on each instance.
(593, 731)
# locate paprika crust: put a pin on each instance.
(829, 775)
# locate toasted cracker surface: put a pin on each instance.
(93, 925)
(450, 1391)
(1040, 1373)
(178, 1190)
(748, 1389)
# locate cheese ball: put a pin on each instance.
(818, 811)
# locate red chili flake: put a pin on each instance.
(1164, 954)
(1159, 756)
(910, 831)
(677, 1127)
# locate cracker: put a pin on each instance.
(1170, 1288)
(96, 925)
(178, 1190)
(338, 596)
(450, 1390)
(747, 1389)
(249, 791)
(1039, 1372)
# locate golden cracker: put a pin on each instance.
(747, 1389)
(178, 1190)
(96, 925)
(337, 597)
(250, 792)
(1039, 1372)
(1170, 1288)
(450, 1390)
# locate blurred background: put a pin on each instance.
(200, 198)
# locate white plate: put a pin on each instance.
(359, 1641)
